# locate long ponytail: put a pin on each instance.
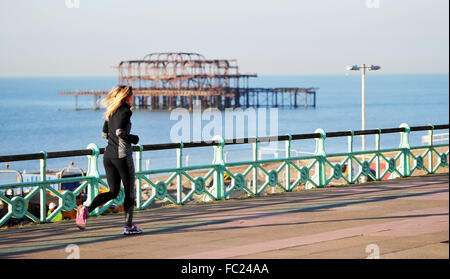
(115, 99)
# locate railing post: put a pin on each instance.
(179, 178)
(319, 177)
(255, 169)
(288, 168)
(377, 147)
(430, 148)
(43, 188)
(404, 144)
(139, 181)
(350, 152)
(218, 188)
(93, 172)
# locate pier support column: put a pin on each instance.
(155, 101)
(236, 100)
(204, 102)
(174, 101)
(182, 101)
(95, 103)
(165, 102)
(247, 99)
(227, 102)
(190, 103)
(217, 102)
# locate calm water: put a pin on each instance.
(33, 117)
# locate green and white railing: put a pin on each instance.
(317, 170)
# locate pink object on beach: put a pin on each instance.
(81, 217)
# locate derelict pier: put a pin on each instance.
(169, 80)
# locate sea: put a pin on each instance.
(34, 118)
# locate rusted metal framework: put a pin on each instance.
(166, 80)
(180, 71)
(177, 79)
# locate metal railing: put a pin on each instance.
(436, 138)
(318, 170)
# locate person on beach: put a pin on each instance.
(51, 208)
(117, 159)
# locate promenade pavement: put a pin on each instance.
(403, 219)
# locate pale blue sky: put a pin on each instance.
(45, 38)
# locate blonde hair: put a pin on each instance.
(115, 99)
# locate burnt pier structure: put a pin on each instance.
(169, 80)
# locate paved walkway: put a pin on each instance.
(407, 218)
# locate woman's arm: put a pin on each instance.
(105, 130)
(121, 132)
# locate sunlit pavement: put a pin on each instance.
(406, 218)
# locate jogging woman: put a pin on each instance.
(117, 159)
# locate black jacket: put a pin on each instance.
(117, 131)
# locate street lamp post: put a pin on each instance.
(363, 104)
(363, 93)
(363, 97)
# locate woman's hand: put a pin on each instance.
(134, 139)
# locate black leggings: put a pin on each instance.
(118, 170)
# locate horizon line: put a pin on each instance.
(346, 73)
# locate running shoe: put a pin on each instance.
(82, 215)
(133, 229)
